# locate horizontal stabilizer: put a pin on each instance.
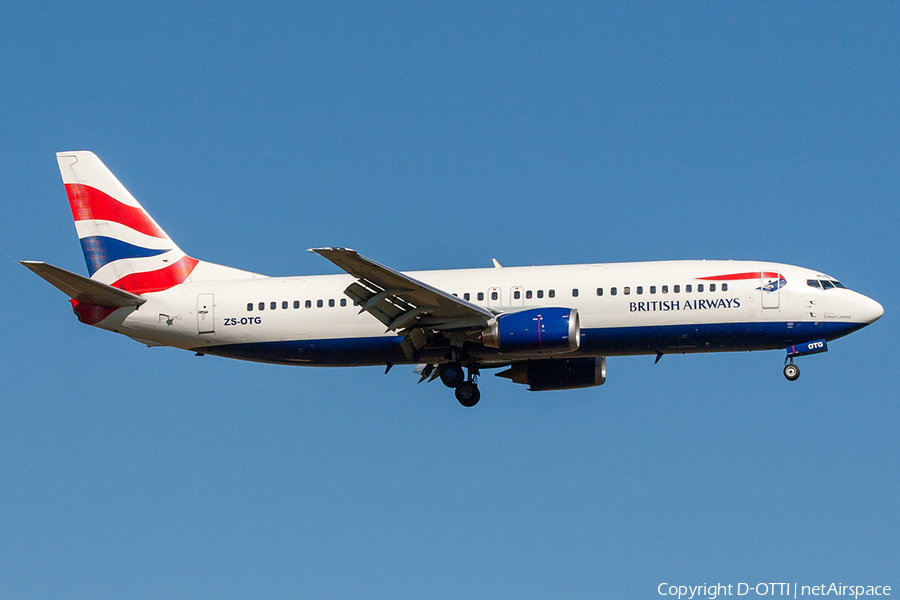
(82, 289)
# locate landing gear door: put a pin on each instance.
(770, 288)
(205, 316)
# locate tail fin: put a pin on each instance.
(123, 246)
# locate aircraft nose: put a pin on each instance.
(867, 310)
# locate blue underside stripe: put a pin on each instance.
(99, 250)
(613, 341)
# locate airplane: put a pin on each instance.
(549, 327)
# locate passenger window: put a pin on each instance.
(540, 293)
(296, 304)
(343, 302)
(652, 289)
(262, 306)
(700, 287)
(613, 291)
(249, 307)
(640, 289)
(827, 284)
(309, 304)
(688, 289)
(626, 290)
(552, 293)
(665, 289)
(599, 291)
(319, 304)
(481, 296)
(575, 293)
(517, 294)
(724, 287)
(676, 289)
(712, 287)
(466, 296)
(284, 305)
(493, 295)
(273, 305)
(528, 294)
(331, 303)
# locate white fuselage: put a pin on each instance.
(624, 308)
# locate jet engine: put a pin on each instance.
(558, 373)
(535, 331)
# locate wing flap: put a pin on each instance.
(400, 301)
(414, 309)
(80, 288)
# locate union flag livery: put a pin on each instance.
(550, 328)
(122, 244)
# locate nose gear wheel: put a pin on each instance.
(791, 372)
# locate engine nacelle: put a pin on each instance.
(535, 331)
(558, 373)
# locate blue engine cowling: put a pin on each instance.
(535, 331)
(558, 373)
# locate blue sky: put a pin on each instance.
(433, 136)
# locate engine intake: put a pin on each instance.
(558, 373)
(535, 331)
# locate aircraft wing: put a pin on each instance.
(81, 289)
(401, 302)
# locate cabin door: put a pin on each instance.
(205, 320)
(770, 288)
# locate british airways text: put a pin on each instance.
(667, 305)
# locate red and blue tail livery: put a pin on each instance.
(123, 246)
(548, 327)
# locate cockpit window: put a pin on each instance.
(825, 284)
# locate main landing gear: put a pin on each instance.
(452, 376)
(467, 393)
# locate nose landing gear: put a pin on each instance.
(791, 371)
